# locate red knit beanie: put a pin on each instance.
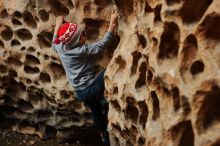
(69, 33)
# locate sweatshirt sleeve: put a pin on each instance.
(55, 46)
(98, 46)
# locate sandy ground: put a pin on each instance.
(10, 138)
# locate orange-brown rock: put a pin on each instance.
(162, 81)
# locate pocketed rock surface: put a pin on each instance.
(162, 80)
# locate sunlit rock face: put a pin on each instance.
(162, 81)
(35, 97)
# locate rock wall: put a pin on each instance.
(35, 97)
(162, 81)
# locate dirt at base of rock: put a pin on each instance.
(11, 138)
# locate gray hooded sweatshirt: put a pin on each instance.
(78, 62)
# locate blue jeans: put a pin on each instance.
(93, 97)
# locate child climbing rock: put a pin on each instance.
(69, 41)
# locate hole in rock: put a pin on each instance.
(57, 69)
(76, 104)
(45, 77)
(36, 18)
(7, 33)
(156, 106)
(15, 43)
(2, 44)
(54, 58)
(115, 90)
(142, 76)
(129, 143)
(141, 141)
(171, 12)
(4, 14)
(147, 8)
(44, 16)
(193, 10)
(17, 14)
(125, 7)
(121, 62)
(172, 2)
(176, 98)
(11, 112)
(28, 81)
(113, 46)
(183, 132)
(117, 128)
(70, 4)
(209, 25)
(103, 3)
(165, 91)
(189, 51)
(116, 141)
(33, 4)
(58, 8)
(149, 75)
(12, 73)
(51, 100)
(155, 41)
(6, 80)
(9, 100)
(116, 105)
(45, 39)
(142, 40)
(3, 69)
(43, 115)
(50, 132)
(31, 70)
(185, 105)
(34, 97)
(64, 94)
(87, 115)
(24, 34)
(92, 28)
(217, 143)
(73, 116)
(46, 57)
(144, 113)
(197, 67)
(23, 48)
(157, 11)
(136, 56)
(16, 22)
(29, 19)
(32, 60)
(15, 89)
(131, 134)
(24, 105)
(31, 49)
(170, 38)
(36, 83)
(208, 113)
(131, 110)
(130, 100)
(14, 61)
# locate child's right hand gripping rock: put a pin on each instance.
(113, 22)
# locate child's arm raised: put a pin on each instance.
(59, 21)
(105, 42)
(113, 22)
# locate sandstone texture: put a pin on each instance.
(162, 80)
(35, 97)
